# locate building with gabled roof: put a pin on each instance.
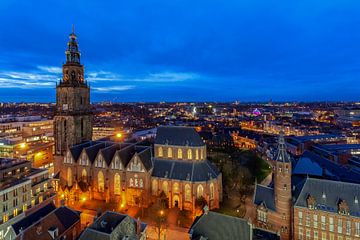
(301, 204)
(114, 226)
(129, 174)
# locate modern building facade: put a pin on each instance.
(23, 189)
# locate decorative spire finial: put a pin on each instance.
(73, 28)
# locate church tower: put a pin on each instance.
(282, 189)
(73, 116)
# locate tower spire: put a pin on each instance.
(282, 155)
(73, 29)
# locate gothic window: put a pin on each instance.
(212, 190)
(202, 153)
(189, 154)
(285, 187)
(160, 152)
(187, 193)
(165, 188)
(176, 187)
(117, 163)
(154, 187)
(200, 191)
(197, 154)
(179, 153)
(83, 174)
(169, 153)
(69, 176)
(141, 183)
(131, 182)
(117, 184)
(101, 182)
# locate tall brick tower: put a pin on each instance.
(282, 189)
(73, 116)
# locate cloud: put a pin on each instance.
(113, 88)
(50, 69)
(161, 77)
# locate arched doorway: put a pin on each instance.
(176, 201)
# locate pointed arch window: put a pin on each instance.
(165, 188)
(84, 175)
(160, 152)
(189, 154)
(176, 188)
(197, 154)
(212, 190)
(117, 184)
(179, 153)
(169, 152)
(200, 191)
(187, 193)
(101, 182)
(154, 187)
(69, 177)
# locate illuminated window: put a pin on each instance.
(41, 198)
(165, 188)
(24, 207)
(179, 153)
(175, 187)
(84, 174)
(189, 154)
(187, 192)
(69, 177)
(154, 187)
(200, 191)
(15, 212)
(202, 153)
(101, 182)
(212, 190)
(160, 152)
(117, 184)
(170, 153)
(197, 154)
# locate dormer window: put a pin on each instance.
(343, 207)
(311, 202)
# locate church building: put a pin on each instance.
(125, 173)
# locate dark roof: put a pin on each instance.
(106, 223)
(146, 158)
(216, 226)
(178, 136)
(261, 234)
(333, 170)
(67, 216)
(195, 171)
(264, 195)
(327, 194)
(33, 218)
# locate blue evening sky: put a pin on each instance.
(184, 50)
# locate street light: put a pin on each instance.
(118, 135)
(22, 145)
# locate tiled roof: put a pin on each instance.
(216, 226)
(106, 223)
(33, 218)
(178, 136)
(196, 171)
(61, 218)
(264, 195)
(327, 194)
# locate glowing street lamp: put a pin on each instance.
(22, 145)
(118, 135)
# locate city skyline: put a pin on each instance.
(163, 52)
